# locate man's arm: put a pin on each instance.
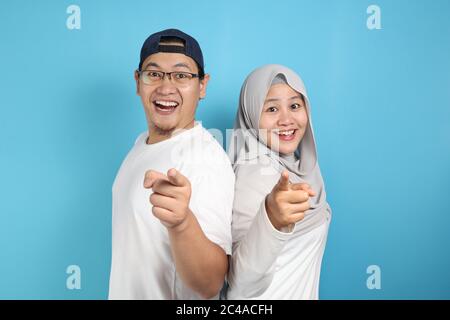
(201, 264)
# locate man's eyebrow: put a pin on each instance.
(278, 99)
(178, 65)
(182, 65)
(152, 64)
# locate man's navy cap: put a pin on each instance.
(191, 47)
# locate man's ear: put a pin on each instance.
(136, 77)
(203, 85)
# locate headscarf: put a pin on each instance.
(247, 146)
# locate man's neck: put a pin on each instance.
(157, 135)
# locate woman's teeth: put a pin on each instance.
(286, 133)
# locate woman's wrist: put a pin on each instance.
(271, 212)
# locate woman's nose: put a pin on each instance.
(285, 118)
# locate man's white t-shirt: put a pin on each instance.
(142, 264)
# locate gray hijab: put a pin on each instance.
(247, 145)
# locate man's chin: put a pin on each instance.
(164, 129)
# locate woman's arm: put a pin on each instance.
(252, 264)
(256, 243)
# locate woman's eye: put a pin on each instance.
(296, 106)
(271, 109)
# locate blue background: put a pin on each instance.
(380, 103)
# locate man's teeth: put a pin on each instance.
(286, 133)
(166, 103)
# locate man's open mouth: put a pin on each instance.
(165, 107)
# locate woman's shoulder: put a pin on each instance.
(260, 174)
(261, 165)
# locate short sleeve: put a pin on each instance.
(212, 203)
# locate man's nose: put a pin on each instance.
(166, 86)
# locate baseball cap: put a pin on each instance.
(191, 47)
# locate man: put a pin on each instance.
(173, 194)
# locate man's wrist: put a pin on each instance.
(183, 225)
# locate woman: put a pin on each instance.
(280, 213)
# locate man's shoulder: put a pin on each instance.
(141, 137)
(211, 143)
(208, 151)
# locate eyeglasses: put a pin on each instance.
(154, 77)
